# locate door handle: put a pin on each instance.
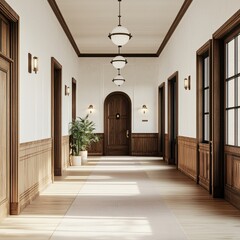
(127, 134)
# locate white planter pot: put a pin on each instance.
(76, 160)
(84, 155)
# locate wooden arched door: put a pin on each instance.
(117, 124)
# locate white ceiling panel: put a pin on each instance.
(90, 22)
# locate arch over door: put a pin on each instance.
(117, 124)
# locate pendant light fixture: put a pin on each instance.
(119, 79)
(120, 35)
(119, 61)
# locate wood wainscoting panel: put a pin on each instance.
(187, 156)
(232, 175)
(65, 152)
(96, 149)
(35, 159)
(144, 144)
(204, 165)
(166, 153)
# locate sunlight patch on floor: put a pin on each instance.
(103, 228)
(110, 189)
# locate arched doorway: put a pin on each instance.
(117, 124)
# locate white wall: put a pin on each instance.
(95, 84)
(42, 36)
(201, 20)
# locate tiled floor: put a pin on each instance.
(124, 198)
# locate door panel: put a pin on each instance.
(173, 118)
(204, 116)
(4, 135)
(161, 119)
(204, 165)
(117, 123)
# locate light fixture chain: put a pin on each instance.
(119, 15)
(119, 48)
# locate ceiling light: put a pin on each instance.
(119, 61)
(120, 35)
(119, 80)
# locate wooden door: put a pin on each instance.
(4, 135)
(231, 110)
(74, 99)
(56, 103)
(5, 61)
(204, 116)
(117, 125)
(173, 117)
(161, 119)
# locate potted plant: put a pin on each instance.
(81, 137)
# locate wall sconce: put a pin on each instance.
(67, 90)
(32, 63)
(187, 83)
(90, 108)
(144, 108)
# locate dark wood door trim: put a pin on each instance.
(56, 117)
(74, 99)
(105, 120)
(204, 149)
(170, 79)
(161, 127)
(218, 126)
(13, 18)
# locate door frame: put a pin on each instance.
(74, 99)
(13, 18)
(170, 79)
(218, 123)
(161, 127)
(55, 65)
(105, 120)
(205, 49)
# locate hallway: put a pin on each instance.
(134, 198)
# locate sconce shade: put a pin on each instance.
(119, 62)
(187, 83)
(90, 108)
(120, 36)
(119, 80)
(144, 108)
(35, 64)
(67, 90)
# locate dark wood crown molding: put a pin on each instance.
(114, 55)
(174, 25)
(62, 22)
(10, 13)
(232, 23)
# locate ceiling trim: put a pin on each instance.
(174, 25)
(64, 25)
(114, 55)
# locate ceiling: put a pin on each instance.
(88, 23)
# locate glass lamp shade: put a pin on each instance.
(119, 80)
(119, 62)
(120, 35)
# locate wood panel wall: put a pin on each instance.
(166, 145)
(97, 149)
(34, 169)
(187, 156)
(232, 175)
(204, 166)
(144, 144)
(65, 152)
